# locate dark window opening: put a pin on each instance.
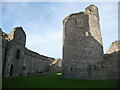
(24, 68)
(11, 70)
(102, 65)
(89, 10)
(18, 54)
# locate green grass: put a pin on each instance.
(55, 80)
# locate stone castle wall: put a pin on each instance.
(56, 65)
(18, 60)
(112, 61)
(35, 63)
(83, 56)
(0, 59)
(115, 47)
(111, 65)
(82, 47)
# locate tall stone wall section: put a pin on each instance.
(112, 61)
(111, 65)
(17, 60)
(4, 50)
(82, 45)
(0, 58)
(13, 52)
(35, 63)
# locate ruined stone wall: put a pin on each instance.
(82, 47)
(13, 59)
(35, 63)
(112, 61)
(4, 47)
(17, 60)
(111, 65)
(0, 58)
(13, 52)
(4, 53)
(114, 47)
(56, 65)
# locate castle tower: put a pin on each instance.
(14, 52)
(82, 45)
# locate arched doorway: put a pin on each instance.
(11, 70)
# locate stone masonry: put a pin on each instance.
(0, 59)
(82, 47)
(83, 56)
(115, 47)
(112, 61)
(17, 60)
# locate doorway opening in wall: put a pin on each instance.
(71, 69)
(11, 70)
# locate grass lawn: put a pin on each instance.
(55, 80)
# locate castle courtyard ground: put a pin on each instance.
(54, 80)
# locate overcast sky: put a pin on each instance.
(42, 23)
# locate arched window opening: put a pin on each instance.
(18, 54)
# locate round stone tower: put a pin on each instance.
(82, 45)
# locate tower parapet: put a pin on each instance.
(92, 10)
(18, 35)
